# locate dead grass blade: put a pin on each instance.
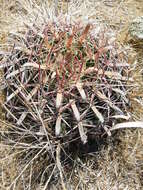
(58, 150)
(130, 125)
(125, 117)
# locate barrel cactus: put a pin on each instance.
(63, 82)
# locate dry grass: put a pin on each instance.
(118, 165)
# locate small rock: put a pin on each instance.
(136, 29)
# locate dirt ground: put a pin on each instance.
(119, 164)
